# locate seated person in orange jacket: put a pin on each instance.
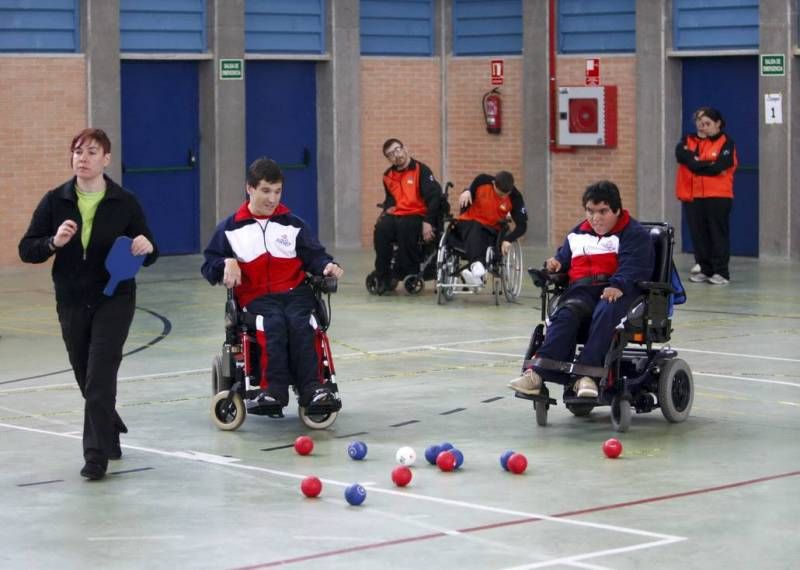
(411, 210)
(488, 201)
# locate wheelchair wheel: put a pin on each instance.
(580, 410)
(317, 421)
(373, 284)
(226, 415)
(541, 412)
(675, 390)
(621, 414)
(511, 272)
(445, 275)
(413, 284)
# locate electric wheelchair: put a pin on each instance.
(505, 270)
(235, 374)
(640, 378)
(414, 283)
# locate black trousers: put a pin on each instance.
(709, 224)
(405, 231)
(476, 239)
(94, 337)
(289, 339)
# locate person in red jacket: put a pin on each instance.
(704, 182)
(410, 211)
(486, 203)
(263, 253)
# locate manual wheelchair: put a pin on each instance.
(235, 374)
(414, 283)
(639, 378)
(505, 270)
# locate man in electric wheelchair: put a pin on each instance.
(411, 209)
(616, 290)
(487, 202)
(263, 253)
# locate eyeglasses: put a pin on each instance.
(393, 152)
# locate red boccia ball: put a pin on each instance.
(446, 461)
(311, 486)
(612, 448)
(401, 475)
(303, 445)
(517, 463)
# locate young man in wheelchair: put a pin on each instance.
(604, 256)
(410, 211)
(263, 253)
(485, 205)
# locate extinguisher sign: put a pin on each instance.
(592, 72)
(497, 72)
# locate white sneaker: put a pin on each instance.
(529, 383)
(477, 269)
(695, 269)
(718, 279)
(470, 279)
(699, 278)
(585, 388)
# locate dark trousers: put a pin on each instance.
(405, 231)
(562, 333)
(94, 337)
(709, 225)
(291, 354)
(476, 239)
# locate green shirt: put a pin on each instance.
(87, 206)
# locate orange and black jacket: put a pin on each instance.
(412, 192)
(489, 209)
(705, 167)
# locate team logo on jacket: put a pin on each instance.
(284, 240)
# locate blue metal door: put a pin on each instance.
(281, 103)
(159, 149)
(730, 84)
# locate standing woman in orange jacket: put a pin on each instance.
(706, 163)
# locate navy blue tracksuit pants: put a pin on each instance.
(561, 337)
(291, 355)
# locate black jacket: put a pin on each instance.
(79, 277)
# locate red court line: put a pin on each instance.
(422, 537)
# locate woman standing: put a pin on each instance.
(704, 182)
(78, 223)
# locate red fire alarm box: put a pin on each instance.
(587, 116)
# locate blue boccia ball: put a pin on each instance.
(431, 453)
(357, 450)
(459, 456)
(355, 494)
(446, 446)
(504, 458)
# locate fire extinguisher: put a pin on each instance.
(492, 111)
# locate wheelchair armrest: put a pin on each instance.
(324, 283)
(541, 277)
(655, 286)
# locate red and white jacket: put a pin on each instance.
(274, 252)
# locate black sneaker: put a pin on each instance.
(93, 471)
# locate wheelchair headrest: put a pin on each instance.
(662, 235)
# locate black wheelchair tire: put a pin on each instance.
(413, 284)
(540, 408)
(675, 390)
(621, 413)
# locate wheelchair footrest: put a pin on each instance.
(329, 407)
(574, 400)
(272, 410)
(539, 398)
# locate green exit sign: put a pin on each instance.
(231, 68)
(773, 64)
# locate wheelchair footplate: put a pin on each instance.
(323, 408)
(543, 397)
(269, 409)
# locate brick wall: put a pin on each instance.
(42, 106)
(571, 173)
(399, 98)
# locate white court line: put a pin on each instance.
(235, 463)
(154, 537)
(758, 380)
(427, 346)
(738, 354)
